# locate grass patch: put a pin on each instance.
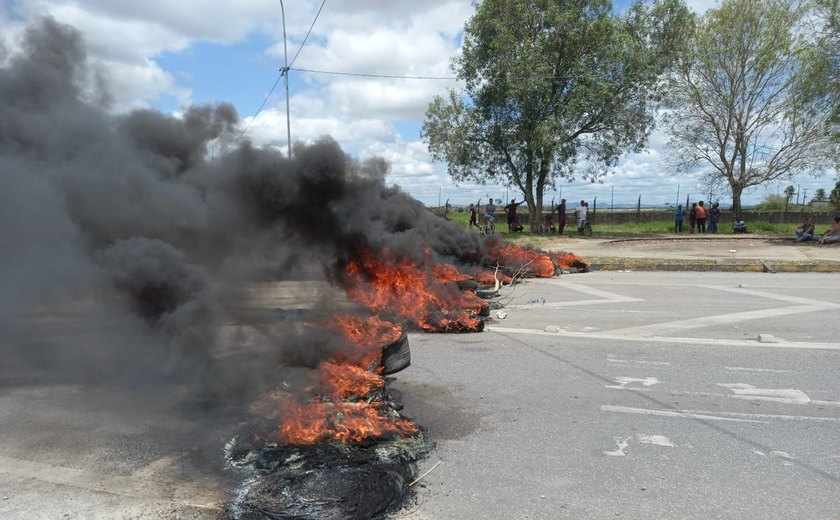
(626, 229)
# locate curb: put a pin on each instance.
(743, 266)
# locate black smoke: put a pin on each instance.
(128, 242)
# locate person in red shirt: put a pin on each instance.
(701, 217)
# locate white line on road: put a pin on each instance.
(720, 319)
(670, 340)
(639, 362)
(748, 369)
(602, 297)
(772, 296)
(671, 413)
(717, 416)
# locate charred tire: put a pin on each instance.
(465, 285)
(396, 355)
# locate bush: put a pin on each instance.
(771, 203)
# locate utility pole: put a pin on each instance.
(612, 197)
(285, 71)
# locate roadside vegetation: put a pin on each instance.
(629, 229)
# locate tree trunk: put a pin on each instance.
(736, 199)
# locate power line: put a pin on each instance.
(261, 107)
(283, 71)
(360, 74)
(308, 32)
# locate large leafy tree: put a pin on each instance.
(822, 71)
(552, 88)
(740, 110)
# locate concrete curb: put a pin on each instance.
(741, 266)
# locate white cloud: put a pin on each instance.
(399, 38)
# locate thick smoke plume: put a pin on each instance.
(127, 239)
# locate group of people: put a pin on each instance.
(698, 217)
(806, 232)
(514, 225)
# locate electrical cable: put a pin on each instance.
(374, 75)
(307, 33)
(261, 107)
(283, 71)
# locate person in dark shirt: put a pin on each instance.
(678, 219)
(561, 216)
(714, 217)
(474, 216)
(510, 210)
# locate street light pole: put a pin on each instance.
(285, 71)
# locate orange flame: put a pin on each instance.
(410, 289)
(347, 408)
(343, 380)
(566, 260)
(488, 278)
(517, 257)
(310, 423)
(369, 334)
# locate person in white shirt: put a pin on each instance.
(581, 215)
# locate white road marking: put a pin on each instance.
(676, 414)
(602, 297)
(621, 444)
(720, 319)
(777, 395)
(639, 362)
(825, 403)
(747, 369)
(657, 440)
(715, 415)
(622, 382)
(671, 340)
(773, 296)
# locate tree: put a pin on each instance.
(834, 198)
(819, 195)
(772, 203)
(790, 191)
(551, 84)
(738, 108)
(822, 72)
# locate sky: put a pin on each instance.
(170, 55)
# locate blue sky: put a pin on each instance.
(167, 55)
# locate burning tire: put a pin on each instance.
(467, 285)
(396, 355)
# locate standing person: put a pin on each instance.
(692, 217)
(561, 217)
(805, 232)
(474, 217)
(581, 215)
(701, 217)
(831, 234)
(510, 210)
(489, 209)
(714, 217)
(678, 219)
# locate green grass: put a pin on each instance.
(628, 229)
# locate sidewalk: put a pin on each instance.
(750, 252)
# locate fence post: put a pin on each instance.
(639, 209)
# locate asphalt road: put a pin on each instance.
(600, 395)
(636, 395)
